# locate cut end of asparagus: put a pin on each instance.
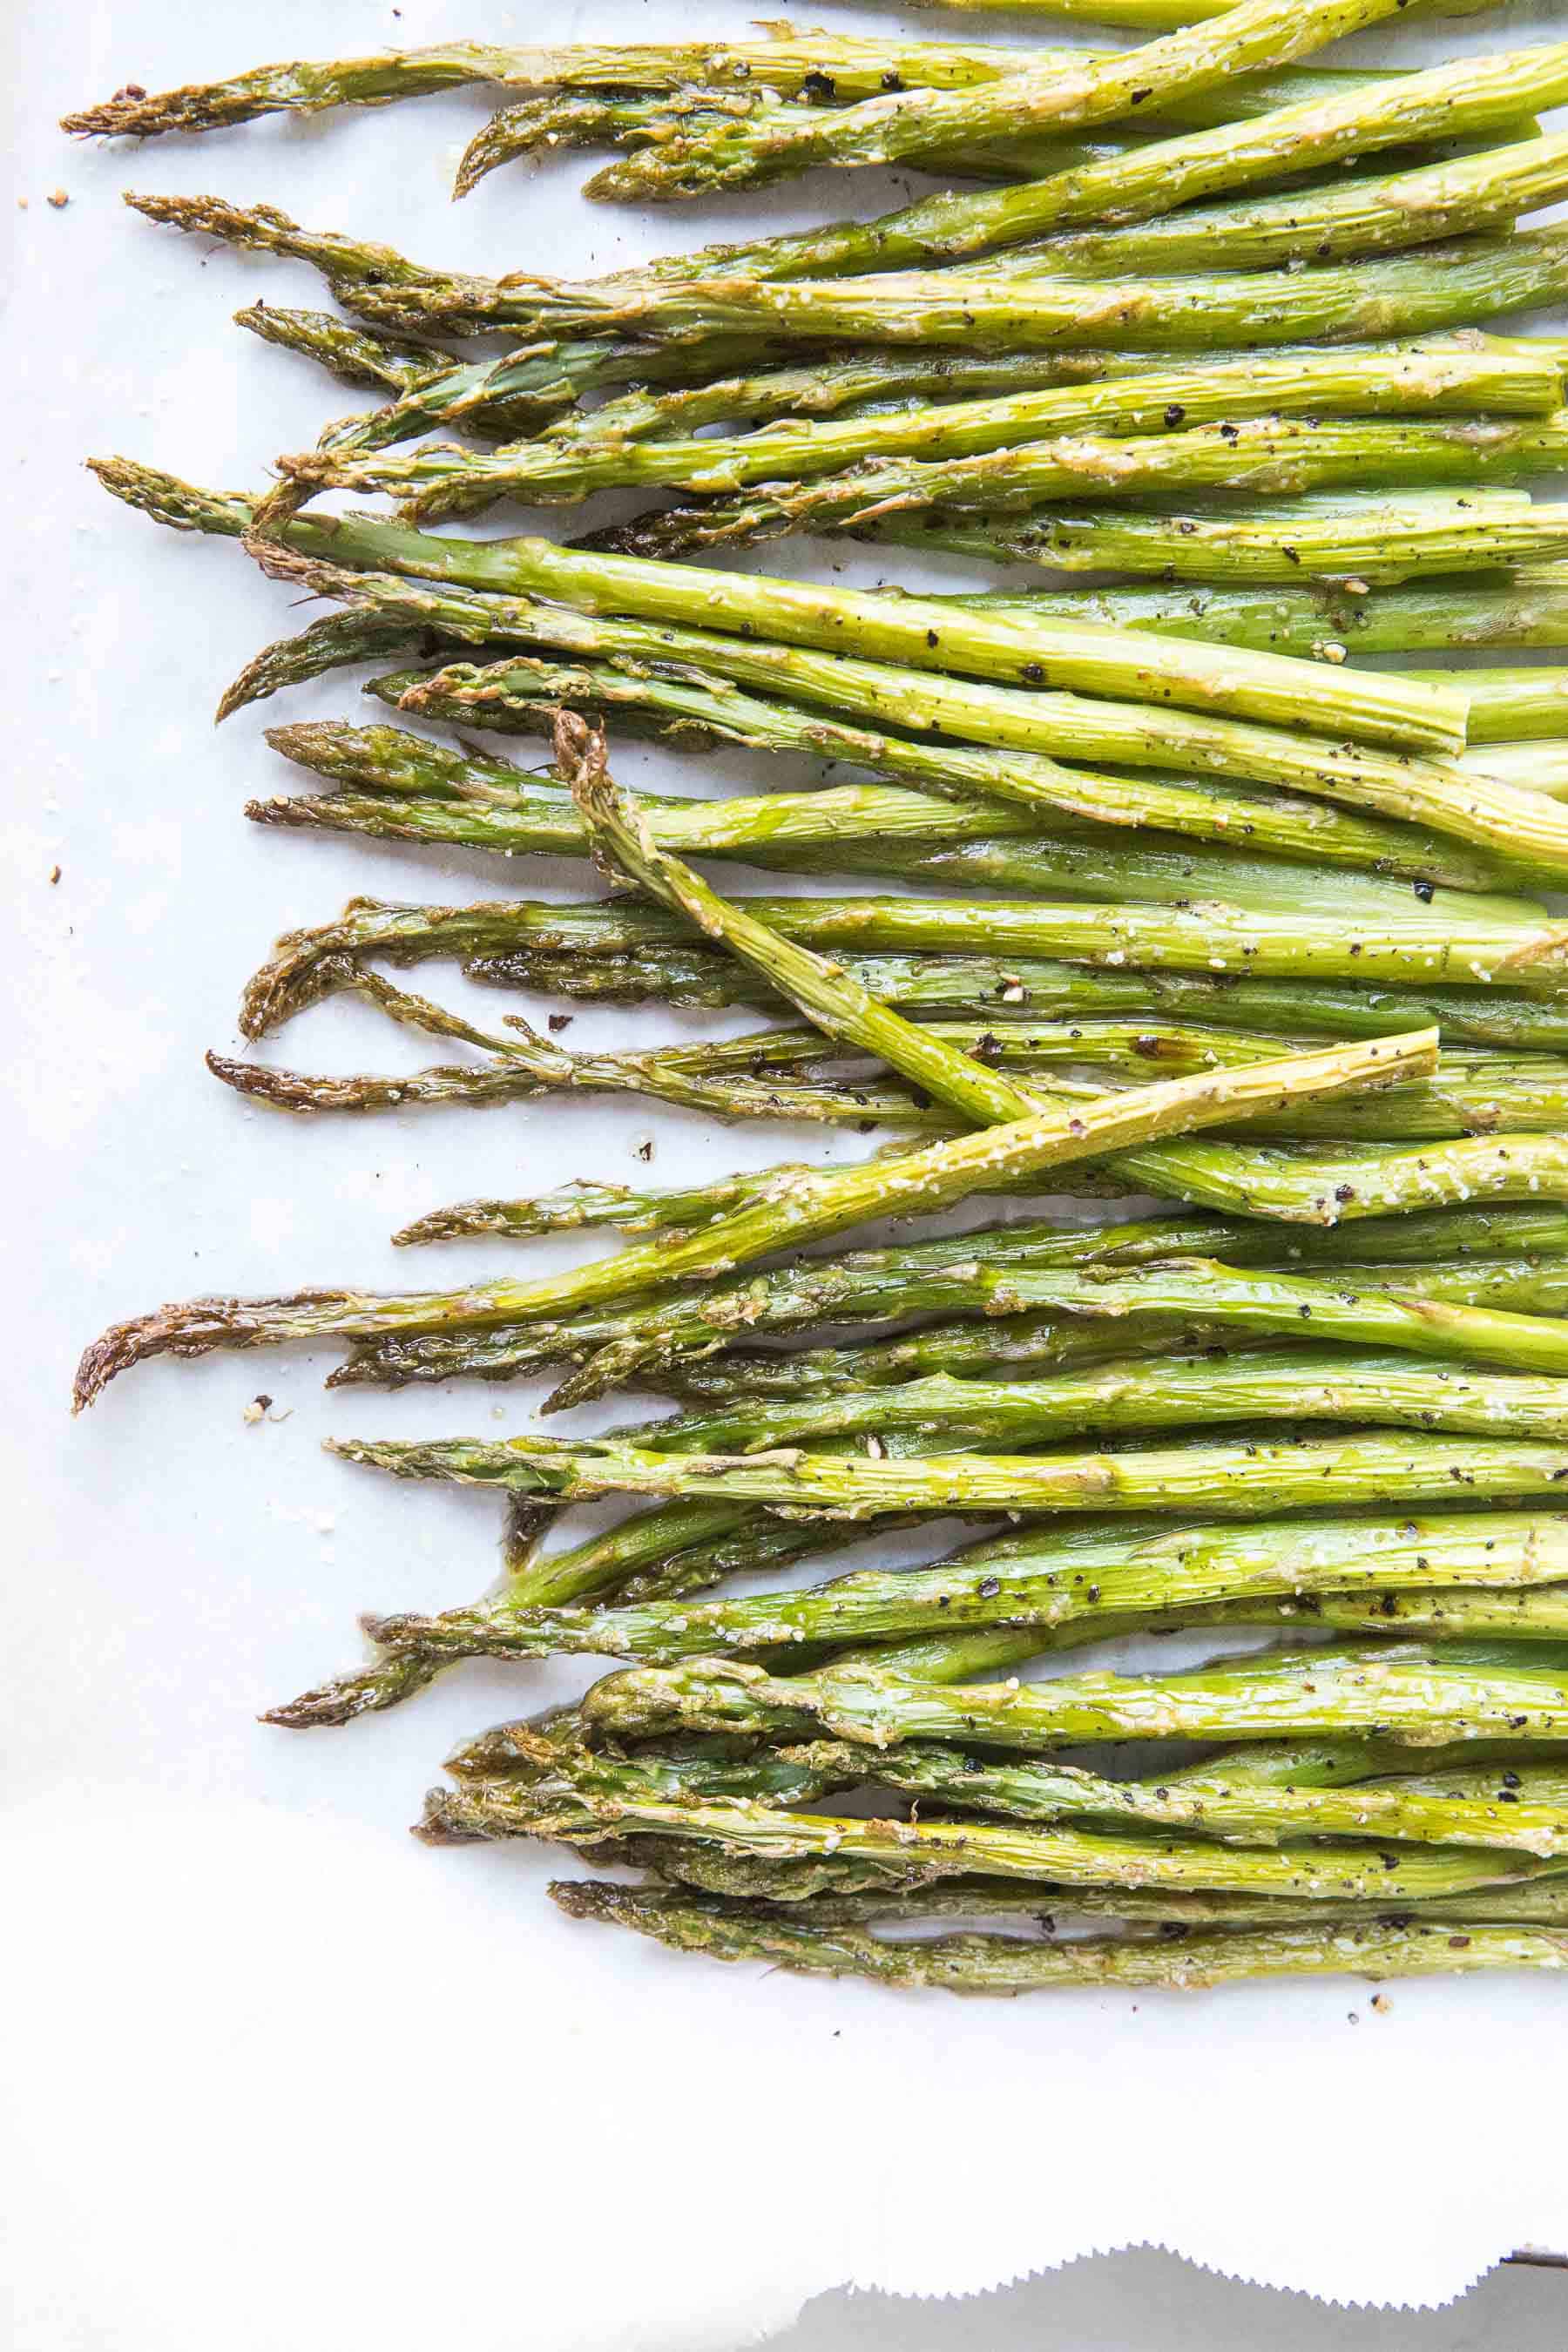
(442, 1821)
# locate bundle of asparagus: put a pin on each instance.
(1172, 894)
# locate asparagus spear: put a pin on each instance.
(1514, 1810)
(1052, 1584)
(1280, 1303)
(440, 481)
(1049, 96)
(1453, 197)
(1007, 1965)
(1215, 937)
(857, 1894)
(1465, 98)
(819, 65)
(999, 989)
(440, 792)
(1401, 294)
(1511, 706)
(1271, 454)
(359, 355)
(806, 1206)
(1316, 539)
(1375, 708)
(1114, 729)
(822, 989)
(1406, 1693)
(557, 122)
(559, 1809)
(1458, 801)
(672, 1348)
(1334, 119)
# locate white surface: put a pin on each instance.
(277, 2075)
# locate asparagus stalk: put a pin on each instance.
(1453, 197)
(677, 1356)
(1375, 708)
(804, 1207)
(1458, 802)
(559, 1809)
(1513, 706)
(443, 794)
(1008, 1965)
(556, 121)
(1415, 293)
(1270, 1302)
(999, 989)
(1270, 455)
(1465, 97)
(1145, 1393)
(1406, 1693)
(859, 1895)
(1052, 94)
(1210, 938)
(1318, 540)
(1520, 1811)
(357, 355)
(819, 65)
(440, 481)
(834, 617)
(1329, 120)
(822, 989)
(1051, 1584)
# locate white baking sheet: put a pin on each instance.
(277, 2075)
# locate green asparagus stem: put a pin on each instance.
(1280, 1303)
(1000, 989)
(1053, 95)
(439, 480)
(442, 794)
(912, 837)
(1272, 456)
(1451, 197)
(857, 1894)
(929, 1278)
(556, 121)
(819, 65)
(1143, 1393)
(1211, 938)
(1245, 1477)
(822, 989)
(1404, 1693)
(675, 1356)
(1513, 1811)
(1008, 1965)
(1513, 706)
(1322, 540)
(1466, 98)
(1113, 729)
(559, 1809)
(1051, 1583)
(1375, 708)
(804, 1207)
(1401, 294)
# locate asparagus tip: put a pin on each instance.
(348, 1695)
(189, 1330)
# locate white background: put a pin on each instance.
(278, 2075)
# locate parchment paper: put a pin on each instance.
(277, 2077)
